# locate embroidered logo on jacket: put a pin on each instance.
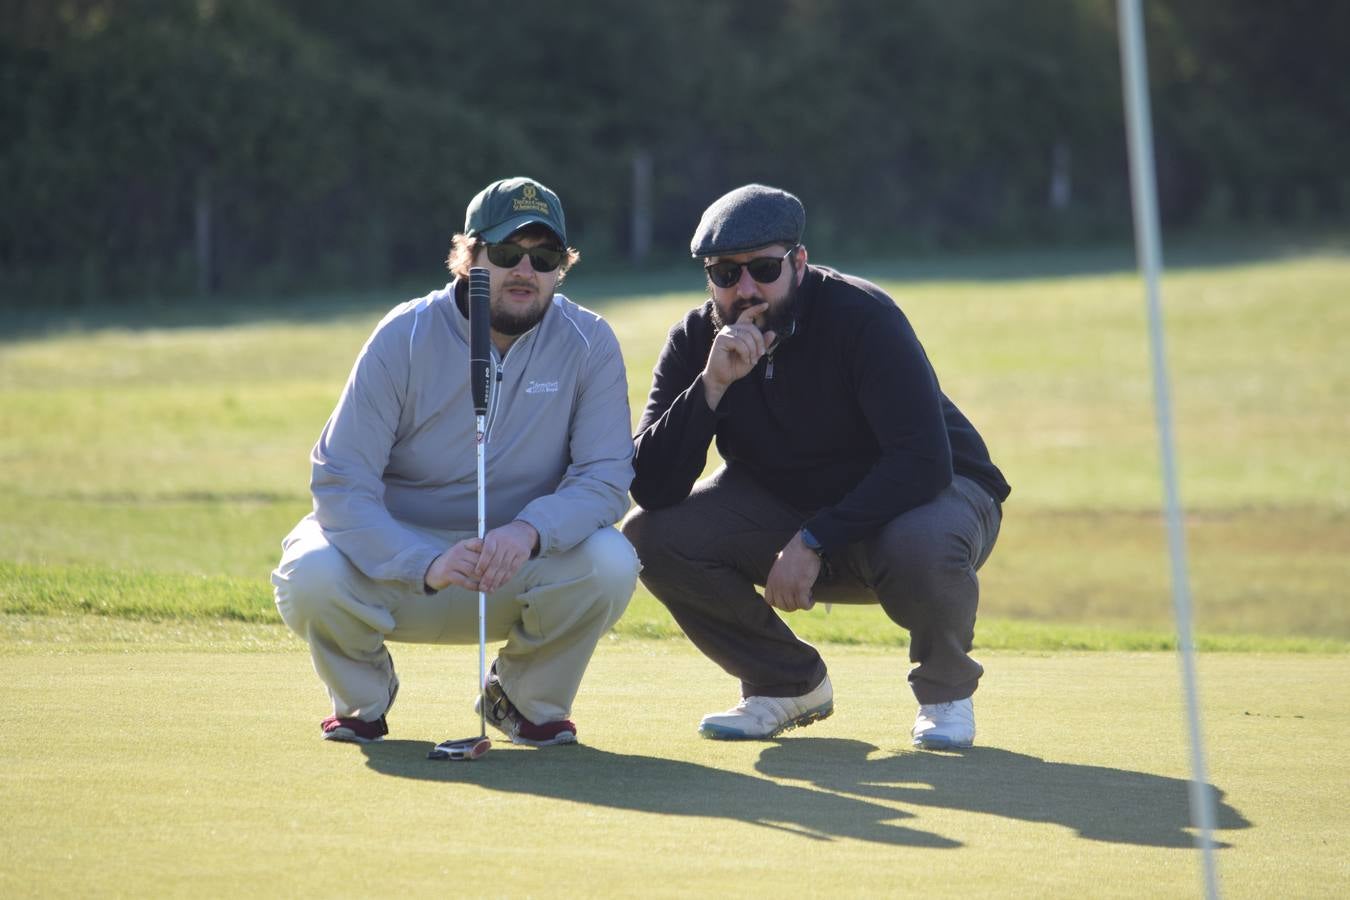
(542, 387)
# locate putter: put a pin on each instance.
(480, 374)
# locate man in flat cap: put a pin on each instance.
(848, 476)
(391, 551)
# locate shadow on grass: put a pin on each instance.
(1098, 803)
(851, 793)
(651, 784)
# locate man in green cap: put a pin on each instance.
(391, 552)
(849, 477)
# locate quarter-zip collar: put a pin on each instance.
(459, 295)
(801, 309)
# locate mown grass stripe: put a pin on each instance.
(30, 590)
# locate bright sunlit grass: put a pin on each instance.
(149, 470)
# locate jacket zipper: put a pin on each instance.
(768, 368)
(493, 402)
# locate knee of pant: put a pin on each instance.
(647, 531)
(305, 583)
(925, 561)
(614, 565)
(634, 527)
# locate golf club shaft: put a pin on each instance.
(480, 375)
(482, 596)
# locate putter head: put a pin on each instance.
(461, 749)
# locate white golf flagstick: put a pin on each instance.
(1143, 184)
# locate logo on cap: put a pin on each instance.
(529, 201)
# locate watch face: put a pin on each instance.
(810, 541)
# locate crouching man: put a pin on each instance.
(848, 477)
(391, 552)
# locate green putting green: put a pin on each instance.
(184, 758)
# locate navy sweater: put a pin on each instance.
(845, 420)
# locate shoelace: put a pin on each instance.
(502, 711)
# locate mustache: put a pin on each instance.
(518, 283)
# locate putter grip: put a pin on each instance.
(480, 352)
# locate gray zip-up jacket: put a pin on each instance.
(399, 447)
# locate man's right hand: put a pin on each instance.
(735, 352)
(456, 566)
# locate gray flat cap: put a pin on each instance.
(746, 219)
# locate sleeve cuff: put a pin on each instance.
(703, 412)
(545, 535)
(826, 530)
(416, 574)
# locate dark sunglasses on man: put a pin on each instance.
(764, 269)
(507, 256)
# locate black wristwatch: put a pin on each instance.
(812, 544)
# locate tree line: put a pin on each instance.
(172, 147)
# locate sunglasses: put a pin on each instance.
(764, 269)
(543, 259)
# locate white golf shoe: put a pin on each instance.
(945, 726)
(760, 718)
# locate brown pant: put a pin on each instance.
(704, 557)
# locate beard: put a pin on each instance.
(514, 324)
(781, 317)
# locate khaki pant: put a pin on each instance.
(551, 616)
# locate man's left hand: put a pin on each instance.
(792, 577)
(505, 550)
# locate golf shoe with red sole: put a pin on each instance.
(503, 716)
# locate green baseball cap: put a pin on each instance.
(510, 204)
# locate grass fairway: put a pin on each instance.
(150, 461)
(155, 760)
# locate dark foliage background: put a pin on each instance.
(171, 147)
